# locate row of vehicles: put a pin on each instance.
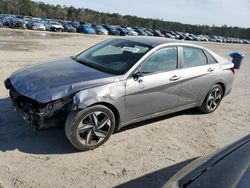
(26, 22)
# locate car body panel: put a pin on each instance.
(50, 81)
(197, 79)
(223, 168)
(112, 94)
(151, 94)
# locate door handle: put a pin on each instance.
(174, 78)
(210, 69)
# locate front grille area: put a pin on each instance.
(38, 114)
(26, 107)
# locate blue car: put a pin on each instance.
(86, 29)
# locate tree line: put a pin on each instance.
(43, 10)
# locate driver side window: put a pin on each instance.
(161, 61)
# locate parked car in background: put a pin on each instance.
(193, 37)
(14, 21)
(214, 38)
(123, 31)
(7, 20)
(189, 37)
(112, 84)
(75, 25)
(203, 38)
(149, 33)
(168, 34)
(36, 25)
(182, 35)
(246, 41)
(227, 167)
(17, 23)
(99, 29)
(1, 22)
(157, 33)
(27, 20)
(68, 27)
(111, 30)
(131, 31)
(175, 34)
(86, 29)
(140, 32)
(54, 26)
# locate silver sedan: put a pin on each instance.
(118, 82)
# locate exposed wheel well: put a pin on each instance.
(114, 110)
(223, 87)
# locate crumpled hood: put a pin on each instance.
(53, 80)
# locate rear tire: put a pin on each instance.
(212, 100)
(90, 128)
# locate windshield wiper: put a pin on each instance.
(84, 63)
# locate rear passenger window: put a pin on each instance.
(193, 57)
(210, 58)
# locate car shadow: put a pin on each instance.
(15, 133)
(157, 178)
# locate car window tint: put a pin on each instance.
(193, 57)
(114, 56)
(114, 50)
(210, 58)
(107, 50)
(163, 60)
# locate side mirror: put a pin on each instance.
(137, 75)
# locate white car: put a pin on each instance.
(54, 26)
(132, 32)
(38, 26)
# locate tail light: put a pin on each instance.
(233, 71)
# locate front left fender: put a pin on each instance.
(113, 94)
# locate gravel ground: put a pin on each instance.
(145, 154)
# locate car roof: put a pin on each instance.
(151, 41)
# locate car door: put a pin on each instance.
(199, 70)
(157, 86)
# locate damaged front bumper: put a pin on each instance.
(40, 115)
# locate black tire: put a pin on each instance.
(75, 118)
(205, 107)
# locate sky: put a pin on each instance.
(209, 12)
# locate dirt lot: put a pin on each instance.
(145, 154)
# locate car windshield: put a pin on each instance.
(114, 56)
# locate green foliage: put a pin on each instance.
(40, 9)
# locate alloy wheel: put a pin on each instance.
(214, 99)
(93, 128)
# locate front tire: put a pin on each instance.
(212, 100)
(90, 128)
